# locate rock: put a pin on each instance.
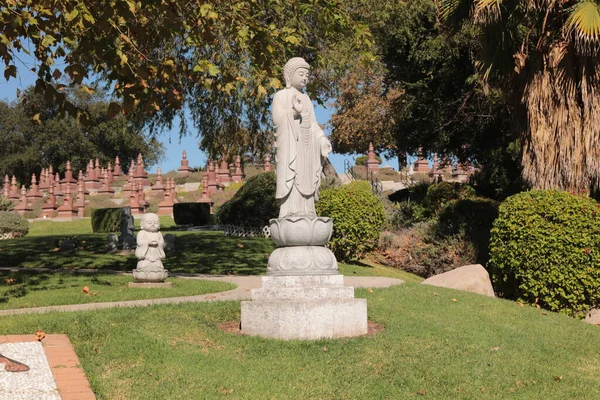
(470, 278)
(593, 317)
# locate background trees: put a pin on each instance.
(28, 145)
(219, 60)
(363, 112)
(545, 55)
(425, 80)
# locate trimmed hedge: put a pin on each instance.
(197, 214)
(11, 222)
(358, 219)
(106, 220)
(253, 205)
(545, 250)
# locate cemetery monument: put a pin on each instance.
(303, 296)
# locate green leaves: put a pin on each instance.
(206, 66)
(70, 16)
(48, 41)
(159, 55)
(358, 216)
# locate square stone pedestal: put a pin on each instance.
(304, 307)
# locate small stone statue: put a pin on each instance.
(169, 242)
(150, 251)
(126, 226)
(112, 241)
(128, 242)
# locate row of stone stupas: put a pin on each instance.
(437, 171)
(98, 180)
(440, 168)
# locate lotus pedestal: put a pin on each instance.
(303, 296)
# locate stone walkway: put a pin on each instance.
(241, 292)
(59, 358)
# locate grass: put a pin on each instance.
(196, 252)
(27, 289)
(440, 343)
(370, 268)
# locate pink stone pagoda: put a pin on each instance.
(372, 163)
(184, 168)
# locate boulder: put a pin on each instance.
(470, 278)
(593, 317)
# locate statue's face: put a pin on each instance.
(300, 78)
(150, 223)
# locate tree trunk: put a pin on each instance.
(560, 146)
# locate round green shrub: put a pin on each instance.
(358, 218)
(362, 160)
(253, 204)
(471, 220)
(440, 194)
(6, 204)
(545, 249)
(408, 213)
(13, 222)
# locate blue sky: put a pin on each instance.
(174, 146)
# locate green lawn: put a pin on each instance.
(196, 252)
(38, 289)
(472, 348)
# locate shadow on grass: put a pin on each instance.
(359, 264)
(15, 284)
(195, 252)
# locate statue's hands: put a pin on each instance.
(297, 104)
(325, 147)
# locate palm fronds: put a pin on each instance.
(584, 24)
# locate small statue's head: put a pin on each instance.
(150, 222)
(296, 72)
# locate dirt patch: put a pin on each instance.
(374, 328)
(233, 327)
(195, 338)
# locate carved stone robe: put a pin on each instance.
(148, 255)
(298, 154)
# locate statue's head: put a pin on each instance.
(150, 222)
(295, 73)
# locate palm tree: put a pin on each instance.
(547, 51)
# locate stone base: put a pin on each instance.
(151, 285)
(145, 275)
(304, 307)
(302, 260)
